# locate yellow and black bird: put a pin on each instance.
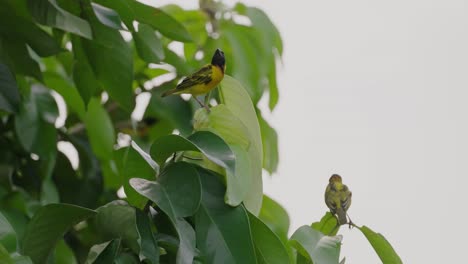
(338, 198)
(203, 80)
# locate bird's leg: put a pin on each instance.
(350, 222)
(208, 97)
(201, 104)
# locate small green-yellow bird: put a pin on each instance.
(338, 198)
(203, 80)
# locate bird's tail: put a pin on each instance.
(342, 219)
(168, 92)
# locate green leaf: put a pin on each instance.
(274, 93)
(83, 74)
(328, 225)
(18, 25)
(64, 254)
(118, 220)
(270, 145)
(100, 130)
(34, 123)
(165, 193)
(104, 253)
(109, 48)
(47, 12)
(381, 246)
(7, 234)
(275, 217)
(149, 250)
(5, 256)
(9, 94)
(211, 145)
(67, 90)
(148, 44)
(175, 179)
(193, 20)
(234, 96)
(173, 109)
(15, 54)
(269, 248)
(132, 165)
(223, 232)
(49, 224)
(315, 246)
(160, 21)
(122, 8)
(107, 16)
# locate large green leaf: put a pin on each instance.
(9, 94)
(148, 44)
(315, 246)
(110, 49)
(275, 217)
(328, 225)
(34, 124)
(49, 13)
(233, 95)
(100, 130)
(7, 234)
(47, 226)
(269, 247)
(165, 193)
(211, 145)
(381, 246)
(132, 165)
(103, 253)
(223, 232)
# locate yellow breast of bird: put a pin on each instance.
(216, 77)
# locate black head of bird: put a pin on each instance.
(219, 60)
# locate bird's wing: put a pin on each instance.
(202, 76)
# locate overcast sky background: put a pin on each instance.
(377, 92)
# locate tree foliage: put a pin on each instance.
(96, 167)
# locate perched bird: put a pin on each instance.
(338, 198)
(204, 80)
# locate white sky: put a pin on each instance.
(375, 91)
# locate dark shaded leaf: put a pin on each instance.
(107, 16)
(48, 224)
(223, 232)
(211, 145)
(47, 12)
(104, 253)
(15, 54)
(109, 48)
(149, 250)
(9, 94)
(118, 220)
(121, 7)
(7, 234)
(381, 246)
